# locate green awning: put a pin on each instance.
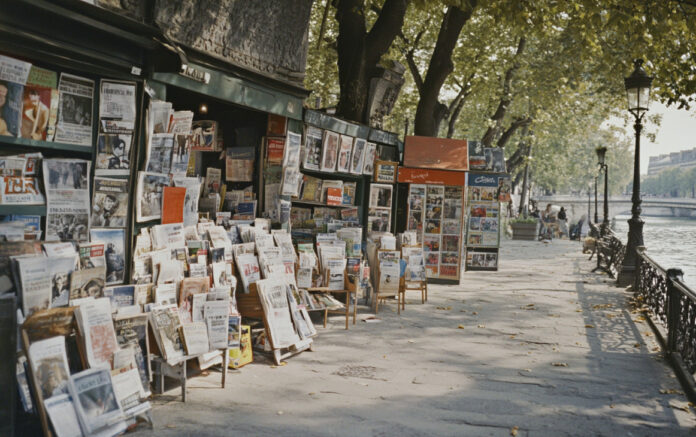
(235, 90)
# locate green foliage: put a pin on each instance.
(675, 182)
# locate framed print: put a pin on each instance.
(329, 155)
(385, 171)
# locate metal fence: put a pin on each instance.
(672, 304)
(669, 303)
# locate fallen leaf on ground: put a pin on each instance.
(611, 405)
(636, 345)
(681, 407)
(559, 364)
(311, 393)
(671, 391)
(513, 431)
(462, 311)
(411, 341)
(481, 326)
(460, 326)
(589, 326)
(444, 308)
(526, 370)
(578, 311)
(474, 313)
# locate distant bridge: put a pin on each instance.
(621, 205)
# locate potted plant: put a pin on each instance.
(525, 228)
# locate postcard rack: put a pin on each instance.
(249, 305)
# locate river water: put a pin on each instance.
(671, 241)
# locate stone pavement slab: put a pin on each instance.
(540, 348)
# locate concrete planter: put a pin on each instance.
(525, 231)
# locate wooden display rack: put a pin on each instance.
(406, 285)
(249, 305)
(400, 292)
(177, 370)
(349, 288)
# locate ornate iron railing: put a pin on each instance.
(672, 304)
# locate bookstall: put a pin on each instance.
(487, 186)
(433, 181)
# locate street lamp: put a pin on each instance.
(638, 93)
(601, 160)
(596, 219)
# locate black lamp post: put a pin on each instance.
(601, 160)
(596, 219)
(638, 93)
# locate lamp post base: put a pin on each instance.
(630, 261)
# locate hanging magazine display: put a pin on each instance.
(435, 213)
(13, 74)
(67, 199)
(483, 225)
(110, 203)
(115, 252)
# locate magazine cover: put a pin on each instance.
(114, 252)
(330, 148)
(49, 363)
(67, 199)
(275, 148)
(477, 155)
(181, 154)
(113, 154)
(149, 195)
(204, 135)
(40, 89)
(110, 203)
(95, 401)
(60, 269)
(356, 162)
(344, 154)
(291, 158)
(193, 190)
(87, 283)
(13, 77)
(312, 148)
(159, 153)
(495, 159)
(369, 159)
(131, 330)
(75, 110)
(173, 202)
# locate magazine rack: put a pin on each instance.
(42, 319)
(350, 287)
(249, 305)
(383, 296)
(176, 369)
(413, 285)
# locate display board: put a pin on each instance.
(436, 211)
(484, 192)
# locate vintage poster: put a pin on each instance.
(113, 154)
(110, 203)
(312, 148)
(149, 196)
(329, 156)
(114, 252)
(117, 111)
(204, 135)
(75, 110)
(67, 199)
(275, 148)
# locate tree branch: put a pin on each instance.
(505, 98)
(510, 131)
(385, 29)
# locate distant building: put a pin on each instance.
(683, 159)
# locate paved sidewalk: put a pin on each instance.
(540, 348)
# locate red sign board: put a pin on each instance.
(431, 176)
(440, 153)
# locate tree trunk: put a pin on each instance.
(430, 112)
(359, 51)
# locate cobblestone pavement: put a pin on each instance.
(540, 348)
